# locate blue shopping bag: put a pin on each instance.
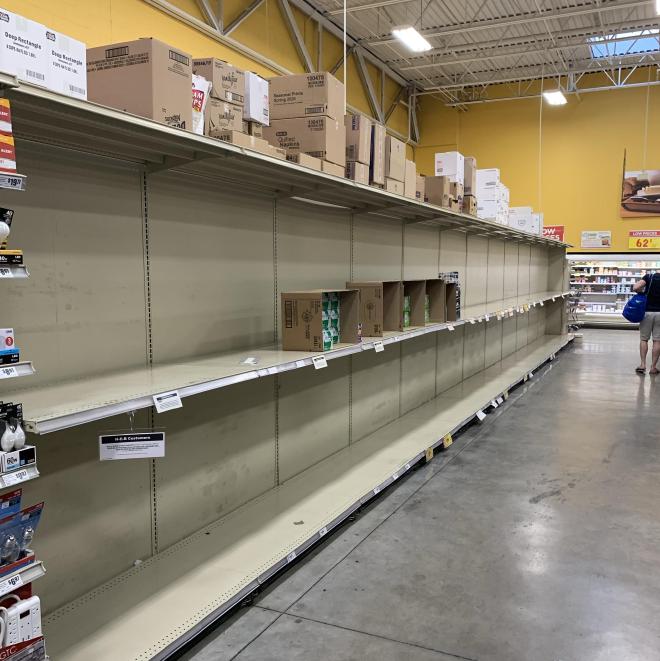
(635, 309)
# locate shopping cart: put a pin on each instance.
(574, 300)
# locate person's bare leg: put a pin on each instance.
(643, 352)
(656, 357)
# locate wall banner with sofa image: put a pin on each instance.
(640, 194)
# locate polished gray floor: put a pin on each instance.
(536, 537)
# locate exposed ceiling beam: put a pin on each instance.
(296, 35)
(507, 21)
(368, 85)
(368, 5)
(210, 16)
(247, 12)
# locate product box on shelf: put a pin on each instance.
(255, 105)
(10, 356)
(488, 209)
(16, 459)
(28, 557)
(306, 160)
(7, 338)
(10, 502)
(487, 178)
(450, 164)
(145, 77)
(357, 172)
(227, 81)
(23, 48)
(453, 294)
(469, 205)
(333, 168)
(67, 64)
(255, 129)
(470, 175)
(222, 116)
(414, 303)
(28, 650)
(237, 138)
(456, 191)
(306, 95)
(377, 161)
(437, 190)
(394, 186)
(435, 303)
(5, 117)
(537, 223)
(7, 154)
(420, 188)
(520, 218)
(313, 320)
(395, 158)
(318, 136)
(358, 138)
(200, 99)
(410, 180)
(381, 306)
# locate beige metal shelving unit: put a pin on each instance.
(157, 258)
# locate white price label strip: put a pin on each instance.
(395, 476)
(8, 372)
(10, 584)
(291, 557)
(272, 370)
(473, 321)
(379, 346)
(10, 479)
(300, 363)
(319, 362)
(6, 272)
(481, 415)
(14, 183)
(323, 532)
(494, 403)
(450, 327)
(167, 401)
(376, 491)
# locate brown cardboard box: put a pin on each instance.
(470, 205)
(395, 158)
(436, 291)
(470, 175)
(357, 172)
(455, 205)
(420, 188)
(381, 306)
(358, 138)
(318, 136)
(306, 95)
(227, 82)
(332, 168)
(222, 116)
(377, 161)
(255, 129)
(410, 180)
(145, 77)
(306, 160)
(437, 190)
(416, 289)
(260, 145)
(276, 152)
(302, 319)
(456, 191)
(451, 292)
(394, 186)
(237, 138)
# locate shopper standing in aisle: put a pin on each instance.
(650, 325)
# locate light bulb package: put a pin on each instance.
(10, 502)
(17, 533)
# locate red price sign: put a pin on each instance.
(554, 232)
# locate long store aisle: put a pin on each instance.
(535, 537)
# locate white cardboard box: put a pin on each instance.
(450, 164)
(488, 209)
(488, 178)
(255, 106)
(23, 48)
(537, 223)
(67, 64)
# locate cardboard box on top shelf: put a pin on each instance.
(520, 218)
(222, 116)
(303, 319)
(410, 180)
(23, 50)
(67, 64)
(237, 138)
(414, 302)
(318, 136)
(537, 223)
(306, 95)
(450, 164)
(435, 306)
(437, 190)
(333, 168)
(255, 129)
(488, 209)
(394, 186)
(469, 205)
(395, 158)
(145, 77)
(456, 191)
(227, 81)
(306, 160)
(377, 161)
(487, 178)
(470, 175)
(358, 138)
(357, 172)
(256, 103)
(455, 205)
(420, 188)
(381, 306)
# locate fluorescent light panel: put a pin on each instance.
(555, 97)
(412, 39)
(657, 6)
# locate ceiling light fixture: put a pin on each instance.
(412, 39)
(657, 6)
(555, 97)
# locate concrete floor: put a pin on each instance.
(535, 537)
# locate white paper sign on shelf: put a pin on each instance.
(379, 346)
(500, 400)
(319, 362)
(131, 445)
(167, 401)
(10, 584)
(250, 360)
(473, 321)
(541, 303)
(481, 415)
(291, 557)
(554, 298)
(494, 403)
(6, 272)
(8, 372)
(300, 363)
(450, 327)
(323, 532)
(12, 182)
(487, 318)
(376, 491)
(10, 479)
(530, 375)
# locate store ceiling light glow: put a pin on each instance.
(555, 97)
(657, 6)
(412, 39)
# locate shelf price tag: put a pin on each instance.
(10, 479)
(487, 318)
(395, 477)
(300, 363)
(167, 401)
(10, 584)
(447, 441)
(481, 415)
(500, 400)
(505, 395)
(8, 372)
(554, 298)
(407, 467)
(429, 454)
(541, 303)
(291, 557)
(323, 532)
(379, 346)
(493, 403)
(376, 491)
(6, 272)
(473, 321)
(319, 362)
(13, 183)
(450, 327)
(530, 375)
(132, 445)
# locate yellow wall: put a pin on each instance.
(566, 161)
(98, 22)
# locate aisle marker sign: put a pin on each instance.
(447, 441)
(131, 445)
(319, 362)
(167, 401)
